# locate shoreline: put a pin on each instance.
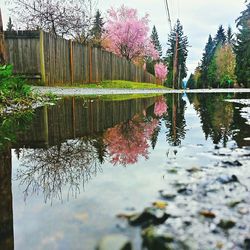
(66, 91)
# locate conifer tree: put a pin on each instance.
(220, 37)
(156, 42)
(10, 25)
(206, 61)
(182, 51)
(242, 48)
(97, 29)
(230, 36)
(191, 82)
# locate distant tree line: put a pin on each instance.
(226, 58)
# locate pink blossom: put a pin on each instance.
(160, 107)
(127, 35)
(161, 71)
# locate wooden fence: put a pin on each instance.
(57, 61)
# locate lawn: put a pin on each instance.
(121, 85)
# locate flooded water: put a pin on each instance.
(69, 169)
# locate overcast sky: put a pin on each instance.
(199, 18)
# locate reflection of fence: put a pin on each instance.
(57, 61)
(75, 117)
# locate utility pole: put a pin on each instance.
(168, 14)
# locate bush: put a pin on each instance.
(12, 86)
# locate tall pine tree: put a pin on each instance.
(155, 41)
(206, 61)
(242, 48)
(97, 28)
(10, 26)
(230, 36)
(220, 38)
(177, 37)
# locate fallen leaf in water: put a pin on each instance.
(160, 204)
(208, 214)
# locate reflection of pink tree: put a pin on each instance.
(160, 107)
(127, 141)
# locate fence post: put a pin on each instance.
(42, 60)
(90, 64)
(2, 47)
(71, 62)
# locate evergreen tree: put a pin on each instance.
(206, 61)
(220, 37)
(211, 74)
(10, 25)
(97, 28)
(191, 82)
(230, 36)
(242, 48)
(150, 66)
(155, 41)
(177, 36)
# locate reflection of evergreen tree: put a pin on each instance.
(155, 135)
(175, 121)
(239, 123)
(100, 149)
(216, 116)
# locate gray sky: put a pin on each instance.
(199, 18)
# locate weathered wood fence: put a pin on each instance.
(57, 61)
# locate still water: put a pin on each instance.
(69, 169)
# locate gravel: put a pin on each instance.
(87, 91)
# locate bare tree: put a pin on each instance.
(68, 18)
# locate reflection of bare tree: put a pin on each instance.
(50, 170)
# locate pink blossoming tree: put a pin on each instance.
(126, 34)
(161, 71)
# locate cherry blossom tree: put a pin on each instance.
(161, 71)
(126, 34)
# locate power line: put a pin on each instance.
(168, 14)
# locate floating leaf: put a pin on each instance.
(160, 204)
(208, 214)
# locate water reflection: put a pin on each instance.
(175, 121)
(220, 120)
(6, 210)
(66, 145)
(66, 165)
(74, 162)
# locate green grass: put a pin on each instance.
(121, 85)
(119, 97)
